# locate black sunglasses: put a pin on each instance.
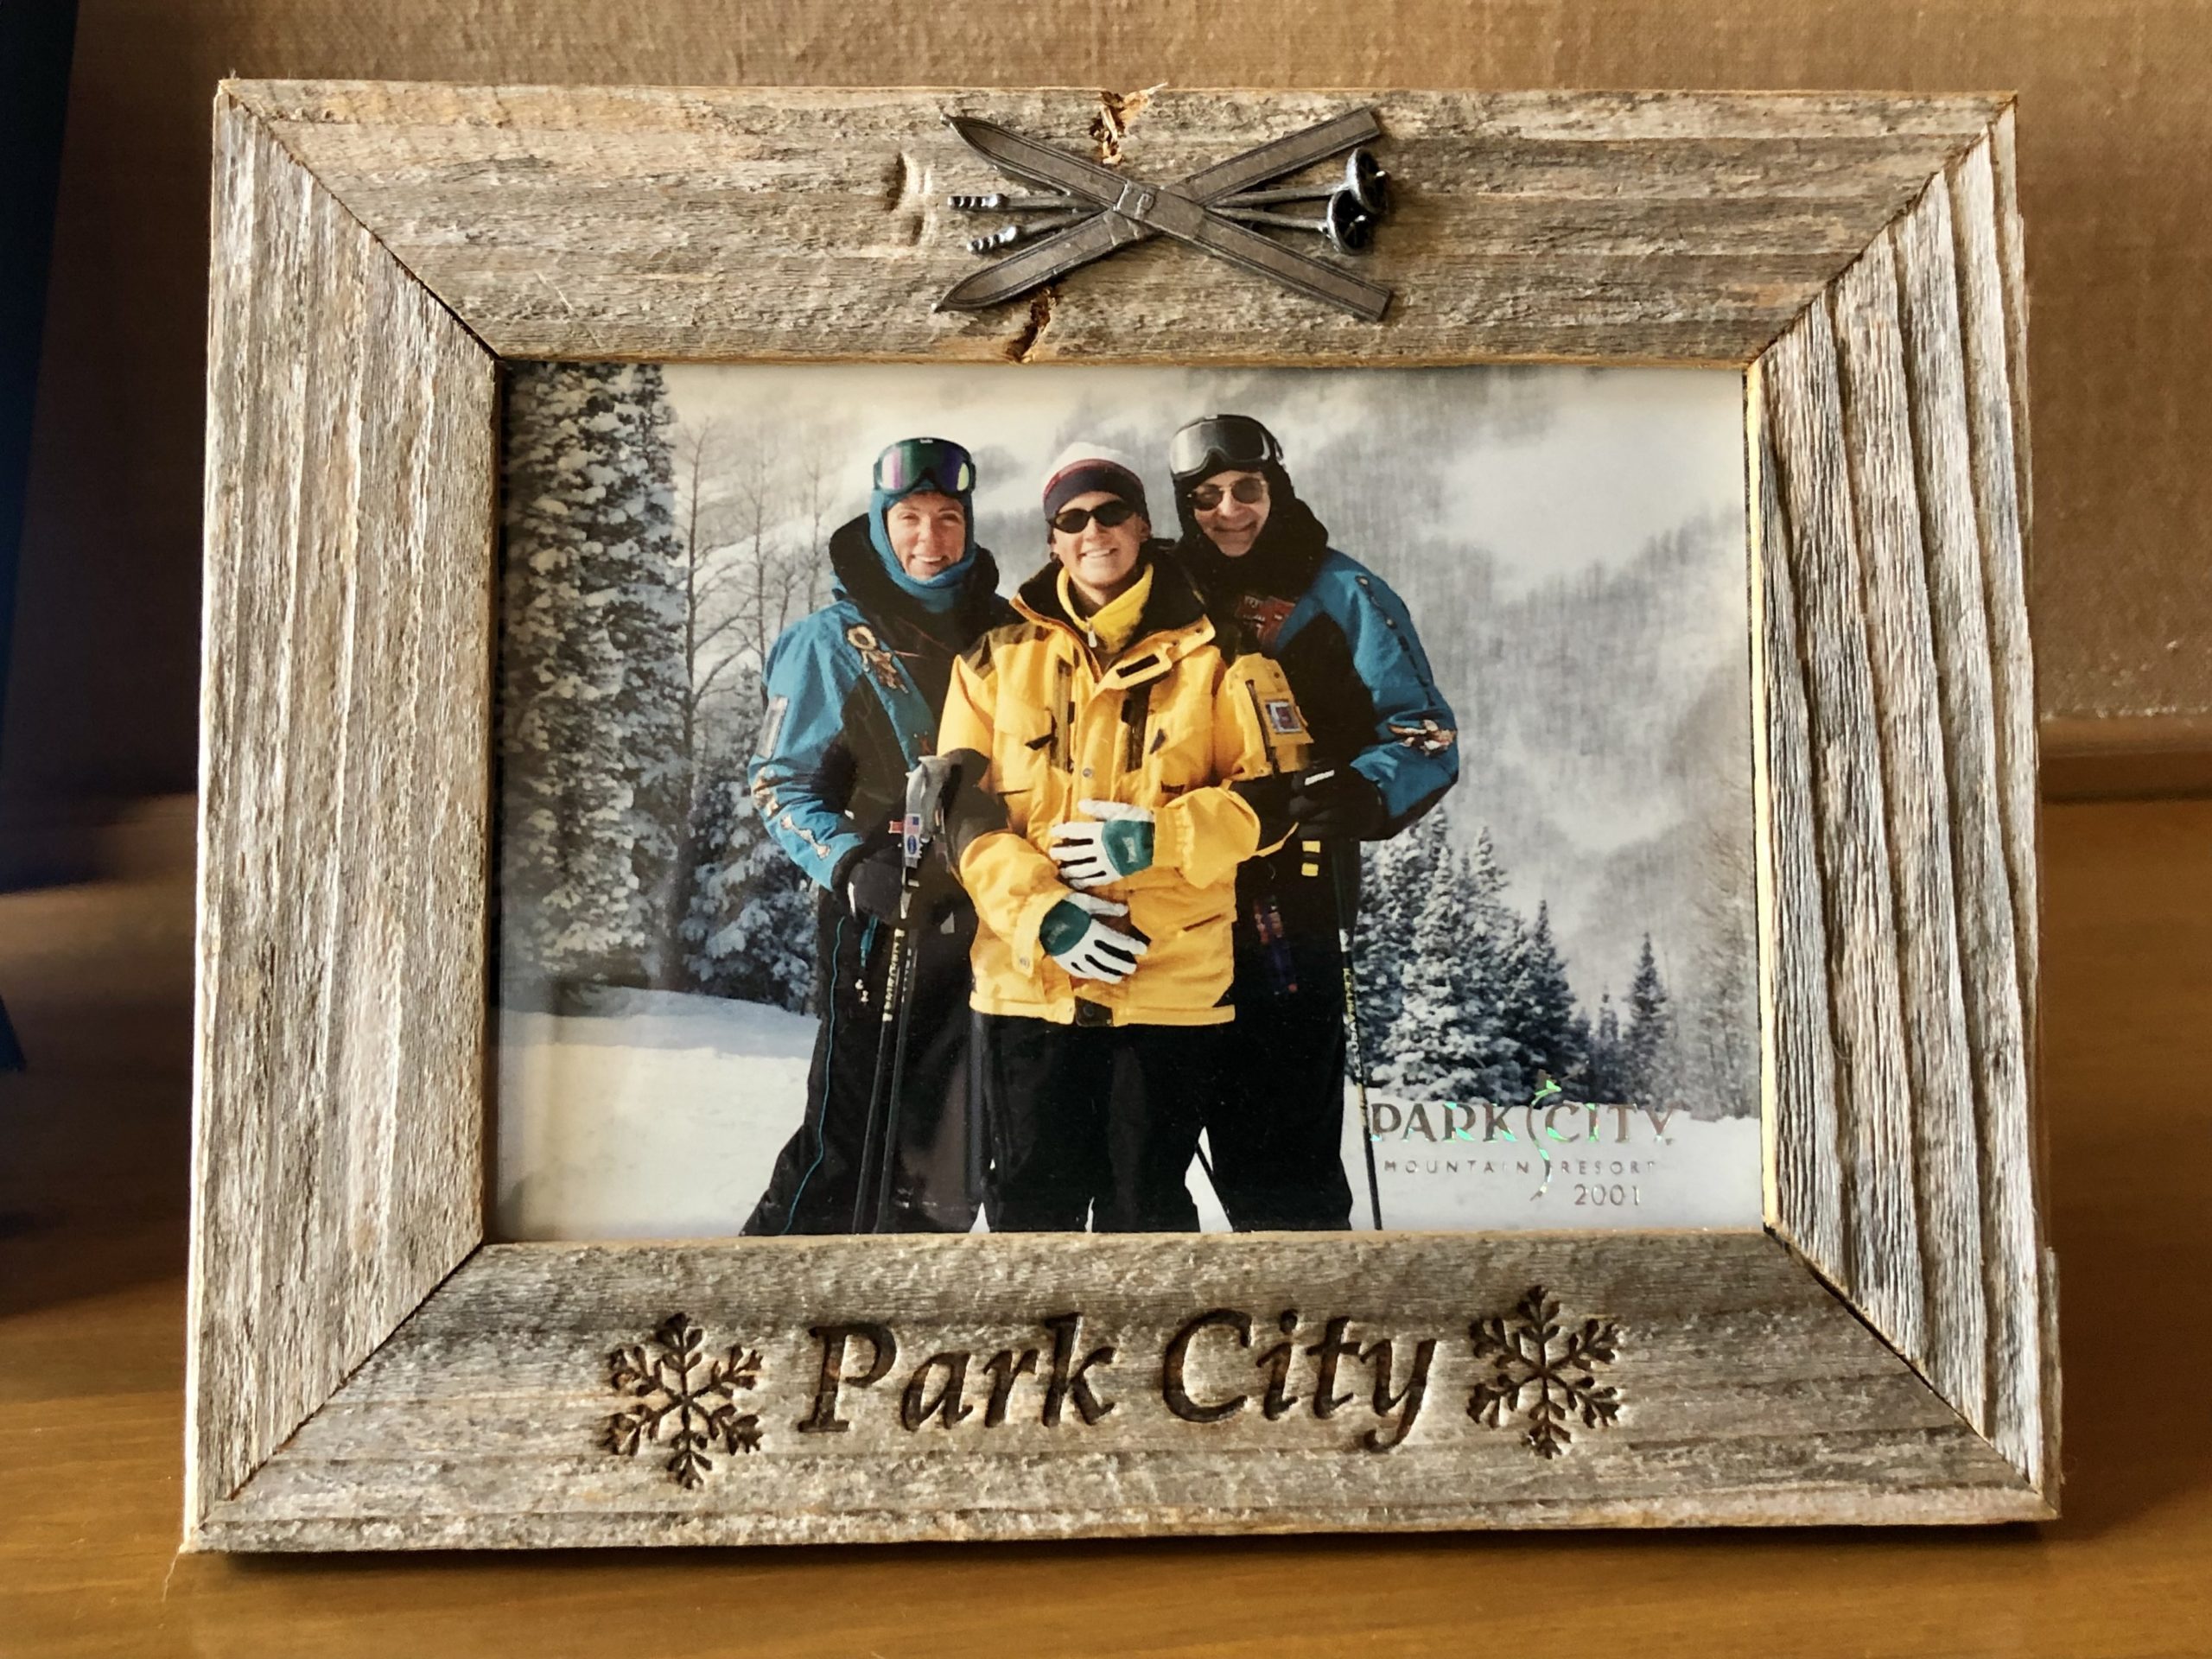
(1250, 490)
(1069, 521)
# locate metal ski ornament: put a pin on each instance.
(1092, 210)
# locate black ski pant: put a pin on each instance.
(1094, 1122)
(1276, 1128)
(816, 1182)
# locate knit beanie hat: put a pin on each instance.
(1082, 469)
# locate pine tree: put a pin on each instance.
(592, 678)
(1485, 977)
(1601, 1078)
(1649, 1025)
(749, 932)
(1398, 875)
(1540, 1006)
(1442, 1037)
(1489, 911)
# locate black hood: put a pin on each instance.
(861, 575)
(1283, 558)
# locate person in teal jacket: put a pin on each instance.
(855, 690)
(1385, 750)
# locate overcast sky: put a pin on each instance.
(1549, 470)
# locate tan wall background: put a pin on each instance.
(2115, 145)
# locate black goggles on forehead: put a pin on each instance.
(1220, 443)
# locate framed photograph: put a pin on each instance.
(935, 814)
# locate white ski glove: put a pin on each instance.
(1093, 854)
(1073, 936)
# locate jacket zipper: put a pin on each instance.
(1136, 718)
(1064, 714)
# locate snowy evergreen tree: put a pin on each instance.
(1539, 1005)
(1486, 892)
(1603, 1077)
(1645, 1046)
(592, 677)
(1485, 975)
(1435, 969)
(1441, 1038)
(749, 929)
(1713, 1008)
(1393, 876)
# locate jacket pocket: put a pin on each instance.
(1026, 742)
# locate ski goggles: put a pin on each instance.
(1221, 444)
(1251, 490)
(914, 464)
(1071, 521)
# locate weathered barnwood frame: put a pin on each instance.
(366, 1371)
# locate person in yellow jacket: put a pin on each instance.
(1121, 755)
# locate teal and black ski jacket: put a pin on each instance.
(1349, 646)
(1363, 681)
(855, 690)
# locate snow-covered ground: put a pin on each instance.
(657, 1114)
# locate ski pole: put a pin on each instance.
(1346, 912)
(975, 1125)
(874, 1152)
(888, 1168)
(928, 784)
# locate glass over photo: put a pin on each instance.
(1013, 800)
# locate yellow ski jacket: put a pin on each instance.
(1168, 723)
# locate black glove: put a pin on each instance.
(870, 880)
(1270, 797)
(1339, 804)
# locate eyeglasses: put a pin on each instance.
(911, 463)
(1069, 521)
(1219, 443)
(1251, 490)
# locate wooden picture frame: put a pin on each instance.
(367, 1372)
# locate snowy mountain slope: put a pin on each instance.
(657, 1114)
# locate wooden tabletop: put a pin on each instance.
(92, 1159)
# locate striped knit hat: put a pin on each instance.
(1083, 468)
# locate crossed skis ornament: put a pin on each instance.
(1093, 210)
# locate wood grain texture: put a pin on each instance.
(1803, 1139)
(1897, 540)
(341, 1043)
(1883, 1271)
(338, 1142)
(1749, 1395)
(2011, 259)
(1892, 582)
(1998, 1038)
(1984, 335)
(1991, 286)
(764, 224)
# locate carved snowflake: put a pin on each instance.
(1530, 1356)
(682, 1399)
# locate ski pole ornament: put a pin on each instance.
(1098, 210)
